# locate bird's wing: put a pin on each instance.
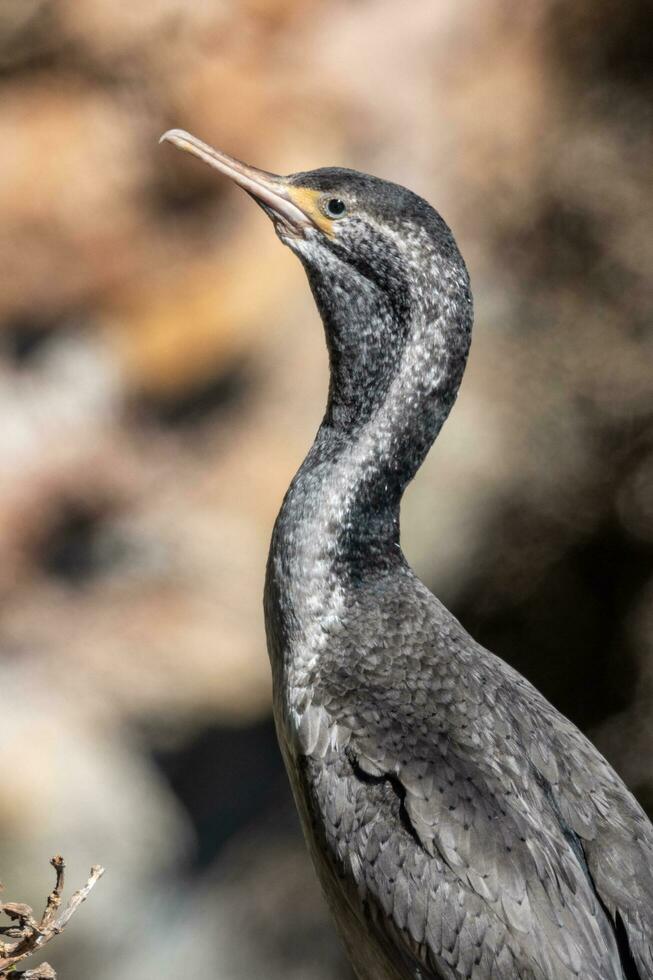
(616, 836)
(473, 852)
(468, 882)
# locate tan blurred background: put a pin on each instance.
(162, 372)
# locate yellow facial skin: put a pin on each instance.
(308, 200)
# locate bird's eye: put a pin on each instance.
(334, 207)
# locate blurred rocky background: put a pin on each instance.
(162, 373)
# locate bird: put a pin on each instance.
(460, 826)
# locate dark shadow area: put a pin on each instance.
(561, 615)
(228, 779)
(24, 336)
(568, 635)
(31, 42)
(573, 238)
(202, 402)
(183, 191)
(73, 548)
(606, 42)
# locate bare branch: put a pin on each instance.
(79, 896)
(54, 898)
(30, 935)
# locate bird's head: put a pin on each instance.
(385, 271)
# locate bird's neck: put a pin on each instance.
(335, 527)
(340, 516)
(396, 359)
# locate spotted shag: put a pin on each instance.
(459, 824)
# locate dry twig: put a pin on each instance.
(27, 935)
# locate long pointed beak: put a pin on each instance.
(268, 190)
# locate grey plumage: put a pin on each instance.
(459, 824)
